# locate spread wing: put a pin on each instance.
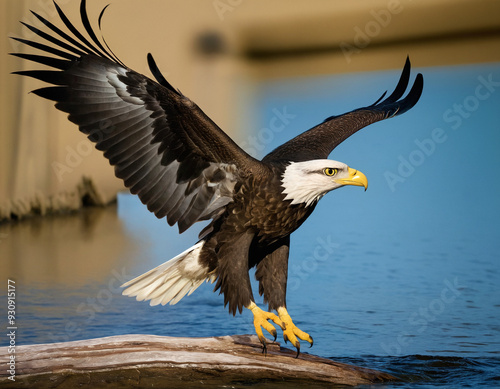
(319, 141)
(164, 148)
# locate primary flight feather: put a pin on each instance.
(186, 169)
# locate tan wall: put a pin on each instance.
(44, 159)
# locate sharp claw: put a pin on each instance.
(291, 332)
(260, 322)
(264, 346)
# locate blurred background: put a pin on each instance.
(429, 219)
(223, 54)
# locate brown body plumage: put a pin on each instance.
(256, 219)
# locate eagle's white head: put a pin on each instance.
(307, 182)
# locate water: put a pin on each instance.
(402, 278)
(367, 302)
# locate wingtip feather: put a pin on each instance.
(157, 74)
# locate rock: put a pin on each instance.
(138, 361)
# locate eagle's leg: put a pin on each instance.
(260, 320)
(292, 332)
(272, 273)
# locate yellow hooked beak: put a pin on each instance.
(355, 177)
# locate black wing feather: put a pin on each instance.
(82, 49)
(402, 84)
(157, 74)
(53, 93)
(115, 58)
(320, 141)
(50, 76)
(166, 150)
(50, 49)
(88, 27)
(44, 60)
(378, 100)
(77, 33)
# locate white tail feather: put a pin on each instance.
(172, 280)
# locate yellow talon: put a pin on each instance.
(260, 320)
(292, 332)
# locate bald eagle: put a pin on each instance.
(186, 169)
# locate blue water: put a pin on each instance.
(403, 278)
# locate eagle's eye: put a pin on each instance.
(329, 171)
